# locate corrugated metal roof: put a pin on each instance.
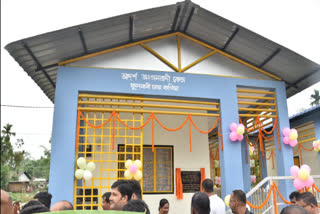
(39, 55)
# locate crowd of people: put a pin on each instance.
(126, 195)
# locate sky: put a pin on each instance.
(290, 23)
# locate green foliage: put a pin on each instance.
(315, 98)
(22, 197)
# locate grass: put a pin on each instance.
(22, 197)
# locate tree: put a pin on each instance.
(315, 98)
(10, 160)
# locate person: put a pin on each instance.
(106, 201)
(44, 198)
(200, 203)
(217, 205)
(6, 203)
(136, 205)
(293, 197)
(293, 209)
(308, 202)
(163, 206)
(34, 206)
(61, 205)
(121, 193)
(238, 202)
(136, 189)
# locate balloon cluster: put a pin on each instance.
(290, 136)
(302, 176)
(227, 200)
(316, 145)
(217, 180)
(133, 170)
(237, 132)
(85, 170)
(253, 179)
(251, 150)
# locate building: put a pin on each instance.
(155, 85)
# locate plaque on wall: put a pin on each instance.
(191, 181)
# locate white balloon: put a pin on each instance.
(87, 175)
(128, 163)
(138, 175)
(81, 162)
(128, 175)
(91, 166)
(79, 173)
(138, 164)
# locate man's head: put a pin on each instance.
(293, 209)
(44, 198)
(136, 189)
(61, 205)
(207, 186)
(6, 203)
(200, 203)
(308, 202)
(238, 200)
(121, 193)
(106, 201)
(293, 197)
(137, 206)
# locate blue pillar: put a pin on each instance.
(284, 157)
(62, 164)
(245, 165)
(230, 157)
(316, 123)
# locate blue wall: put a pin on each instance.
(71, 81)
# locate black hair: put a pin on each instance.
(240, 196)
(294, 194)
(32, 203)
(34, 209)
(207, 185)
(201, 203)
(308, 198)
(44, 197)
(123, 187)
(162, 203)
(106, 196)
(137, 206)
(293, 209)
(136, 188)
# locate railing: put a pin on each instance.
(259, 194)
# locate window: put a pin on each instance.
(157, 167)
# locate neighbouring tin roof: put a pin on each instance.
(39, 55)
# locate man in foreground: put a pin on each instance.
(61, 205)
(217, 205)
(238, 202)
(121, 193)
(308, 202)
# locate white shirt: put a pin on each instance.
(217, 205)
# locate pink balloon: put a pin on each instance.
(315, 145)
(286, 132)
(240, 137)
(294, 171)
(286, 140)
(219, 180)
(133, 169)
(309, 182)
(293, 143)
(298, 184)
(233, 127)
(233, 136)
(305, 166)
